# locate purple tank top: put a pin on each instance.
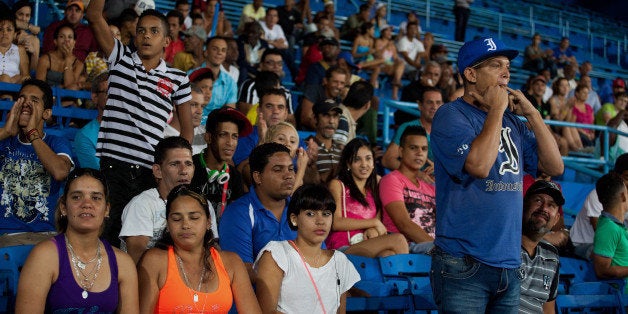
(65, 293)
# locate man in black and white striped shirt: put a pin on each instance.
(142, 93)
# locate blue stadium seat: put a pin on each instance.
(411, 272)
(12, 259)
(590, 297)
(574, 271)
(379, 294)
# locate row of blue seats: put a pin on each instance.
(12, 259)
(63, 116)
(399, 282)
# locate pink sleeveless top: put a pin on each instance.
(355, 210)
(584, 117)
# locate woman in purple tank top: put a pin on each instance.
(77, 271)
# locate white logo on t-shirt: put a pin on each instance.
(508, 146)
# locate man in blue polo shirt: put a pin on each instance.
(481, 151)
(260, 216)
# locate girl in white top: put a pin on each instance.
(298, 276)
(13, 58)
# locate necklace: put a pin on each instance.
(79, 268)
(188, 283)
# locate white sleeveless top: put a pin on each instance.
(10, 61)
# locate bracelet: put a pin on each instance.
(36, 138)
(31, 132)
(66, 68)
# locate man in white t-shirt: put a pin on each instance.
(583, 229)
(144, 217)
(410, 48)
(273, 33)
(276, 38)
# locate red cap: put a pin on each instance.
(194, 75)
(619, 82)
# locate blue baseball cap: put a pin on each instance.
(476, 51)
(348, 58)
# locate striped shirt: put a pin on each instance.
(539, 278)
(248, 94)
(138, 106)
(328, 158)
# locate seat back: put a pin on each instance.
(590, 297)
(574, 270)
(12, 258)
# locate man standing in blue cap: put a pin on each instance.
(481, 150)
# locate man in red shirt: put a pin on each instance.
(73, 14)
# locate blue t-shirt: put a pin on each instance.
(85, 145)
(245, 146)
(28, 192)
(224, 91)
(246, 227)
(480, 217)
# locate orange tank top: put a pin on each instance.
(176, 297)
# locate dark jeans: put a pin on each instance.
(125, 181)
(464, 285)
(462, 17)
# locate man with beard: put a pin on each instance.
(330, 48)
(33, 166)
(323, 164)
(213, 175)
(260, 216)
(193, 54)
(539, 260)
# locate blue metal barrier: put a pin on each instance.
(581, 164)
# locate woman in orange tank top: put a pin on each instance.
(185, 273)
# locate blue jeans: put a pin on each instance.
(464, 285)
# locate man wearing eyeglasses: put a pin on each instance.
(481, 152)
(272, 60)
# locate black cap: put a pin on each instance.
(328, 41)
(549, 188)
(326, 106)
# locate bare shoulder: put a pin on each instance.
(229, 257)
(154, 258)
(123, 259)
(45, 250)
(334, 184)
